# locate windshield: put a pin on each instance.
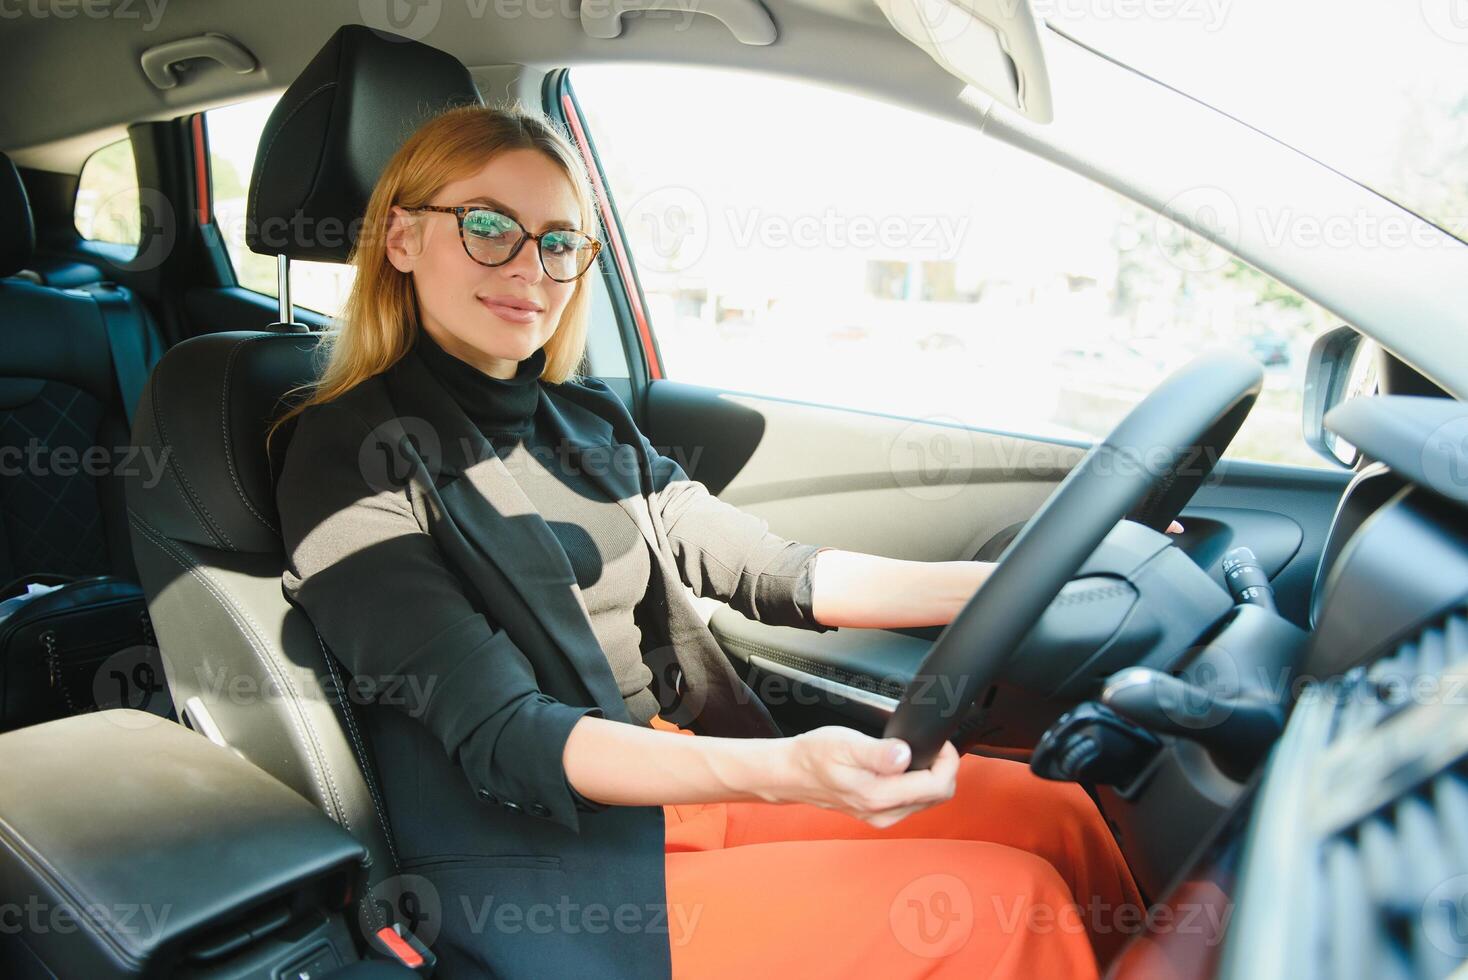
(1375, 90)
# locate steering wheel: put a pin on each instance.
(1145, 470)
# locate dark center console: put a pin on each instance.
(133, 847)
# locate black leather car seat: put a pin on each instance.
(206, 536)
(62, 510)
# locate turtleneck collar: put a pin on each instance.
(498, 405)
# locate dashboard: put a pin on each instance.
(1347, 854)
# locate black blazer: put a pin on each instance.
(431, 576)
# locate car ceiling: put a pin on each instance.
(836, 41)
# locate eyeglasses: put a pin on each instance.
(493, 239)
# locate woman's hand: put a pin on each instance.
(842, 769)
(850, 588)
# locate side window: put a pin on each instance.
(106, 208)
(844, 251)
(234, 137)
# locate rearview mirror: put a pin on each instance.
(1342, 366)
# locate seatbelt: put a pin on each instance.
(125, 339)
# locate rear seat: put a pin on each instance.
(60, 274)
(65, 431)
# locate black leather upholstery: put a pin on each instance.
(17, 227)
(239, 659)
(61, 510)
(90, 821)
(206, 536)
(333, 132)
(63, 274)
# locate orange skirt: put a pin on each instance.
(982, 885)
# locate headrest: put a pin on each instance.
(17, 228)
(201, 426)
(333, 132)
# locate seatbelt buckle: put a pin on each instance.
(391, 942)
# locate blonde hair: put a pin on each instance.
(379, 321)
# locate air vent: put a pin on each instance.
(1436, 657)
(1396, 884)
(1392, 809)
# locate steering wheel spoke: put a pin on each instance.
(1147, 469)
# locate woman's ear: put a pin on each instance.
(403, 242)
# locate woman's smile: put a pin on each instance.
(512, 308)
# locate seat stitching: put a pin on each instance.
(191, 498)
(361, 749)
(224, 428)
(319, 765)
(265, 157)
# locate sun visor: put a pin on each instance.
(992, 45)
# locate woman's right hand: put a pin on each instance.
(842, 769)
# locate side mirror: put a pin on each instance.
(1342, 366)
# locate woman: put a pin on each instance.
(467, 520)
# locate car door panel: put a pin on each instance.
(929, 491)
